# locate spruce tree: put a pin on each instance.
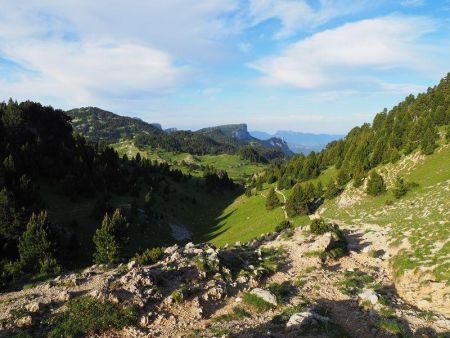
(428, 143)
(375, 185)
(35, 248)
(272, 200)
(110, 238)
(400, 187)
(297, 202)
(333, 190)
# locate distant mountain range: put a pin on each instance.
(299, 142)
(97, 124)
(239, 132)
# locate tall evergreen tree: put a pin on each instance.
(333, 190)
(110, 238)
(400, 187)
(428, 143)
(375, 185)
(297, 202)
(272, 200)
(35, 248)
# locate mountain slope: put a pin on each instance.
(97, 124)
(300, 142)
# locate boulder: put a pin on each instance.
(24, 321)
(266, 295)
(321, 243)
(369, 295)
(33, 307)
(297, 320)
(64, 296)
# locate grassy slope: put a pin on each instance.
(420, 221)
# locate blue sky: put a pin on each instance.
(313, 66)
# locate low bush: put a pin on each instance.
(319, 226)
(87, 315)
(354, 281)
(281, 291)
(149, 256)
(283, 226)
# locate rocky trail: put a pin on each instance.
(201, 291)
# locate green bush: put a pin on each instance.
(283, 226)
(319, 226)
(354, 281)
(88, 315)
(149, 256)
(281, 291)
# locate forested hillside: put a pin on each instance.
(412, 124)
(55, 188)
(97, 124)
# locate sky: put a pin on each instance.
(320, 66)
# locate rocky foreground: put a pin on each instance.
(285, 284)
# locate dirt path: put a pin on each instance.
(366, 254)
(286, 217)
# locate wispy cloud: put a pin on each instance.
(297, 15)
(347, 53)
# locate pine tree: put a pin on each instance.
(375, 185)
(428, 143)
(319, 190)
(400, 187)
(272, 200)
(333, 190)
(297, 203)
(248, 191)
(35, 248)
(110, 238)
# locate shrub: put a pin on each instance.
(354, 281)
(319, 226)
(283, 226)
(149, 256)
(391, 326)
(88, 315)
(281, 291)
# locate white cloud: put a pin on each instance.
(86, 51)
(296, 15)
(346, 54)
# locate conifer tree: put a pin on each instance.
(375, 185)
(297, 203)
(35, 248)
(110, 238)
(333, 190)
(400, 187)
(272, 200)
(428, 143)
